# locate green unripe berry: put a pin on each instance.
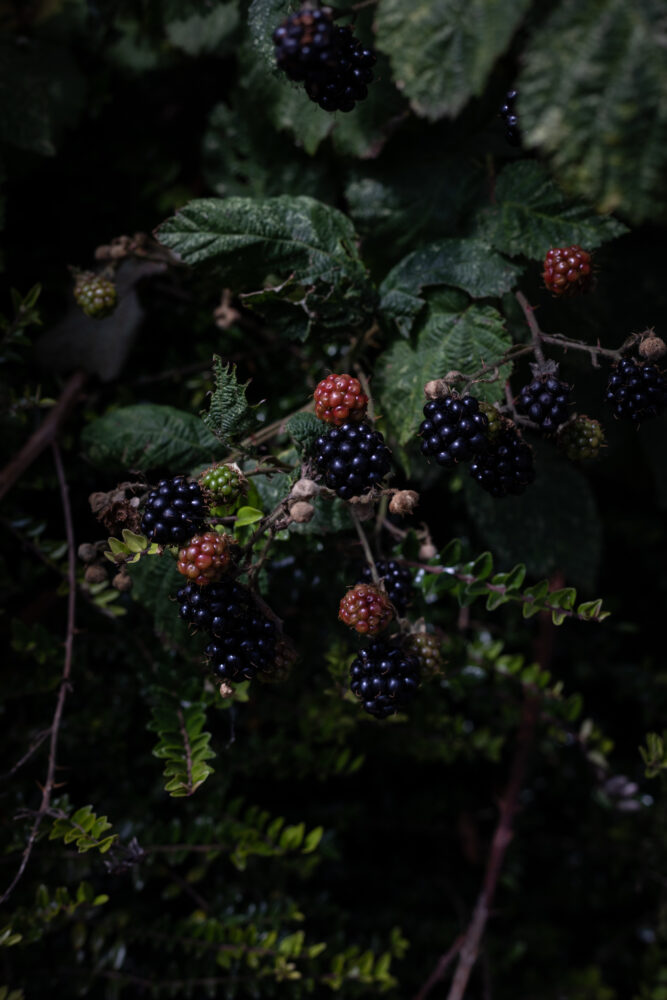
(95, 295)
(581, 438)
(225, 483)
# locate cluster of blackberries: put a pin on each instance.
(636, 391)
(454, 430)
(385, 678)
(352, 458)
(509, 116)
(506, 466)
(174, 511)
(397, 581)
(544, 401)
(243, 639)
(334, 66)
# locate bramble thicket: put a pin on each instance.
(333, 499)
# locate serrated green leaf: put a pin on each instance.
(452, 334)
(229, 414)
(530, 214)
(468, 264)
(442, 51)
(206, 32)
(147, 436)
(606, 134)
(304, 429)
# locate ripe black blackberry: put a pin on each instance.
(508, 114)
(352, 458)
(636, 390)
(174, 511)
(506, 466)
(384, 678)
(338, 84)
(305, 43)
(545, 401)
(454, 430)
(212, 608)
(397, 581)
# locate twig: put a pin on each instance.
(361, 375)
(535, 331)
(558, 340)
(27, 755)
(365, 546)
(44, 435)
(441, 968)
(49, 784)
(266, 433)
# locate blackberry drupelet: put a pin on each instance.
(508, 114)
(339, 399)
(305, 43)
(581, 438)
(365, 609)
(342, 81)
(397, 581)
(384, 678)
(636, 390)
(352, 459)
(454, 430)
(174, 511)
(506, 466)
(545, 401)
(568, 271)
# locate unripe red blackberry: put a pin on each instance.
(427, 648)
(205, 558)
(397, 582)
(454, 429)
(581, 438)
(545, 401)
(636, 390)
(385, 678)
(568, 271)
(506, 466)
(174, 511)
(95, 295)
(225, 483)
(365, 609)
(352, 459)
(339, 398)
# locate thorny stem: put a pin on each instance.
(535, 331)
(33, 748)
(558, 340)
(365, 546)
(49, 784)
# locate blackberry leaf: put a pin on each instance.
(229, 416)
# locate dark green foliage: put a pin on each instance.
(229, 413)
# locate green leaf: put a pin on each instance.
(312, 840)
(451, 334)
(606, 134)
(293, 251)
(531, 214)
(468, 264)
(442, 51)
(155, 582)
(304, 429)
(147, 436)
(247, 515)
(229, 416)
(203, 33)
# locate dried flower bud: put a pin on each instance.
(95, 574)
(226, 690)
(86, 552)
(403, 502)
(122, 581)
(304, 489)
(302, 512)
(427, 551)
(652, 347)
(436, 389)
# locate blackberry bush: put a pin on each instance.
(545, 401)
(339, 399)
(581, 438)
(506, 466)
(636, 390)
(397, 580)
(384, 678)
(568, 271)
(352, 459)
(365, 609)
(95, 295)
(454, 430)
(174, 511)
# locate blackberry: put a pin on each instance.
(384, 678)
(508, 114)
(568, 270)
(397, 582)
(339, 398)
(427, 647)
(636, 390)
(205, 558)
(214, 608)
(454, 430)
(365, 609)
(174, 511)
(305, 43)
(343, 80)
(545, 401)
(225, 483)
(352, 458)
(581, 438)
(95, 295)
(506, 466)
